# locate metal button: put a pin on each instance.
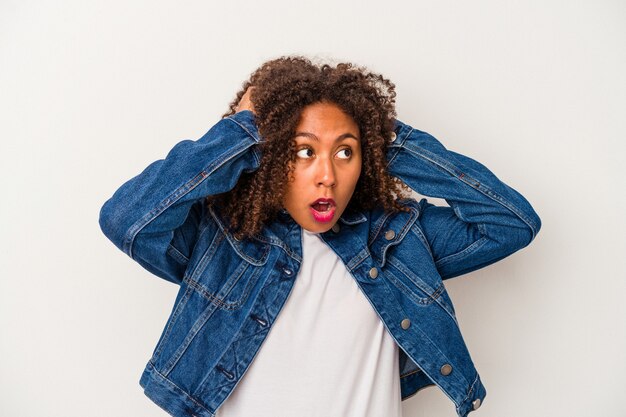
(446, 369)
(373, 272)
(393, 136)
(336, 228)
(390, 234)
(476, 404)
(287, 271)
(406, 323)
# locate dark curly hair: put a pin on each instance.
(283, 87)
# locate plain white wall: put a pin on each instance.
(92, 92)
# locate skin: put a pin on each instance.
(245, 103)
(325, 167)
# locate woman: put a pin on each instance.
(292, 203)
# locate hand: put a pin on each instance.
(245, 103)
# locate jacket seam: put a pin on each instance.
(464, 252)
(245, 128)
(418, 233)
(177, 255)
(471, 389)
(176, 388)
(179, 192)
(471, 182)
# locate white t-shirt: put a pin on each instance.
(328, 353)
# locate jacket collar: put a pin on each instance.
(276, 232)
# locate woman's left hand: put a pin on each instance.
(245, 103)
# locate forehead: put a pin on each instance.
(326, 118)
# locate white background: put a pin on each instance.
(91, 92)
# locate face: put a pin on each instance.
(328, 166)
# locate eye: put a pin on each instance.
(300, 154)
(349, 152)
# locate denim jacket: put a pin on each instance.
(231, 291)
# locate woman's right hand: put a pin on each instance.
(245, 103)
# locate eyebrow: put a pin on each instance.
(339, 138)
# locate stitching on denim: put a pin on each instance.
(481, 228)
(232, 347)
(140, 224)
(414, 213)
(359, 219)
(427, 300)
(435, 346)
(471, 389)
(418, 282)
(220, 301)
(231, 283)
(191, 334)
(358, 259)
(462, 253)
(207, 256)
(177, 389)
(238, 247)
(184, 189)
(424, 335)
(377, 227)
(245, 128)
(400, 236)
(455, 172)
(170, 322)
(177, 255)
(417, 231)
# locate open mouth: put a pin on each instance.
(322, 207)
(323, 212)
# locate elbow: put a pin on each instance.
(533, 226)
(516, 235)
(527, 232)
(110, 225)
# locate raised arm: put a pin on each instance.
(487, 220)
(155, 216)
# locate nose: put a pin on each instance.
(326, 173)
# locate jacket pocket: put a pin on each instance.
(226, 274)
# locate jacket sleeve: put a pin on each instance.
(155, 216)
(487, 220)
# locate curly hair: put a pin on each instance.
(283, 87)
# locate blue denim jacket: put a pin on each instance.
(231, 291)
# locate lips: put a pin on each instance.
(323, 209)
